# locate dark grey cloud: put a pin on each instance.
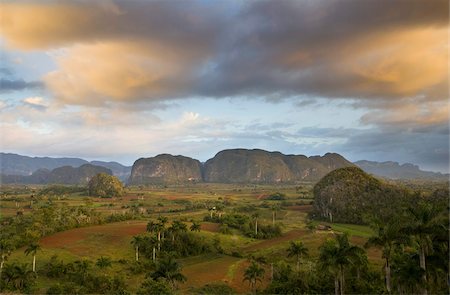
(270, 49)
(312, 47)
(7, 85)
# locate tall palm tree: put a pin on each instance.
(169, 269)
(163, 221)
(253, 274)
(274, 208)
(387, 236)
(32, 249)
(176, 227)
(156, 227)
(335, 256)
(137, 242)
(255, 216)
(5, 251)
(425, 221)
(407, 274)
(298, 250)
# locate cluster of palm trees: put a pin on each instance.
(425, 227)
(17, 275)
(158, 231)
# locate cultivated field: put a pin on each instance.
(188, 204)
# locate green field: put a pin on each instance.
(185, 203)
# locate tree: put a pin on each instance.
(169, 269)
(150, 286)
(104, 262)
(253, 274)
(137, 242)
(335, 256)
(105, 186)
(176, 227)
(425, 221)
(387, 237)
(32, 249)
(274, 208)
(163, 221)
(19, 276)
(255, 216)
(195, 226)
(298, 250)
(5, 251)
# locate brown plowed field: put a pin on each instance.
(212, 227)
(111, 231)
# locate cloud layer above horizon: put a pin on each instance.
(143, 66)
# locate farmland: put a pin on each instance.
(112, 223)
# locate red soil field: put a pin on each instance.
(300, 208)
(211, 227)
(113, 230)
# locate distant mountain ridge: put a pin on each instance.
(260, 166)
(236, 166)
(233, 165)
(60, 175)
(394, 170)
(18, 165)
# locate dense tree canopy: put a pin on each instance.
(105, 186)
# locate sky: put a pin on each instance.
(120, 80)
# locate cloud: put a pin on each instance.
(114, 59)
(7, 85)
(36, 102)
(157, 50)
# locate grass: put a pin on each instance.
(113, 240)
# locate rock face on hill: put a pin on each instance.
(61, 175)
(259, 166)
(394, 170)
(165, 169)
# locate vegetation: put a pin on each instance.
(221, 239)
(105, 186)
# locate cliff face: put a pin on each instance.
(165, 169)
(258, 166)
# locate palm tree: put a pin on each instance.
(298, 250)
(19, 275)
(163, 221)
(170, 270)
(156, 227)
(253, 274)
(137, 241)
(32, 249)
(195, 226)
(274, 208)
(424, 223)
(177, 226)
(5, 251)
(407, 274)
(335, 256)
(104, 262)
(255, 216)
(387, 237)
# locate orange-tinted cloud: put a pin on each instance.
(140, 50)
